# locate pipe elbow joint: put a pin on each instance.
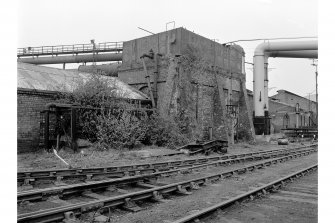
(260, 49)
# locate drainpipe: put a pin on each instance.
(156, 74)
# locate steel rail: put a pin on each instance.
(128, 170)
(57, 214)
(43, 194)
(248, 195)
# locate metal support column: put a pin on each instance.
(46, 131)
(74, 145)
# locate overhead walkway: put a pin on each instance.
(69, 49)
(77, 53)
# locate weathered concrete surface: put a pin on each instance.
(189, 88)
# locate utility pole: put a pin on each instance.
(315, 63)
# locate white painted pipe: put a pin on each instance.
(261, 52)
(243, 64)
(286, 46)
(312, 54)
(258, 76)
(266, 84)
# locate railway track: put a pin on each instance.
(67, 190)
(29, 178)
(154, 192)
(250, 195)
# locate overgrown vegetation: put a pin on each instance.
(111, 122)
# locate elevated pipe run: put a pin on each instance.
(109, 69)
(312, 54)
(290, 49)
(260, 57)
(73, 59)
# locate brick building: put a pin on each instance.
(292, 99)
(39, 85)
(193, 76)
(282, 110)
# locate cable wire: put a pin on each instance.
(247, 40)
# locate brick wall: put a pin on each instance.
(29, 105)
(292, 99)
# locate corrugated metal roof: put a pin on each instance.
(53, 79)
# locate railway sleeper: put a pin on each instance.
(156, 196)
(97, 217)
(59, 181)
(26, 184)
(194, 186)
(57, 200)
(145, 185)
(182, 190)
(70, 217)
(46, 195)
(130, 205)
(93, 195)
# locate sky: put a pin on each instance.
(57, 22)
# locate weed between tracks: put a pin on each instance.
(90, 157)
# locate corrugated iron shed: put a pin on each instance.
(36, 77)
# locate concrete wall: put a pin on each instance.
(180, 89)
(29, 105)
(176, 42)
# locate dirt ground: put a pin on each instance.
(296, 203)
(92, 158)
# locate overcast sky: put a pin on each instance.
(54, 22)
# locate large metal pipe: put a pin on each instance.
(73, 59)
(266, 83)
(291, 49)
(312, 54)
(109, 69)
(261, 52)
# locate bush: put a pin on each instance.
(95, 92)
(120, 129)
(164, 132)
(116, 124)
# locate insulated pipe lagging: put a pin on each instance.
(286, 46)
(312, 54)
